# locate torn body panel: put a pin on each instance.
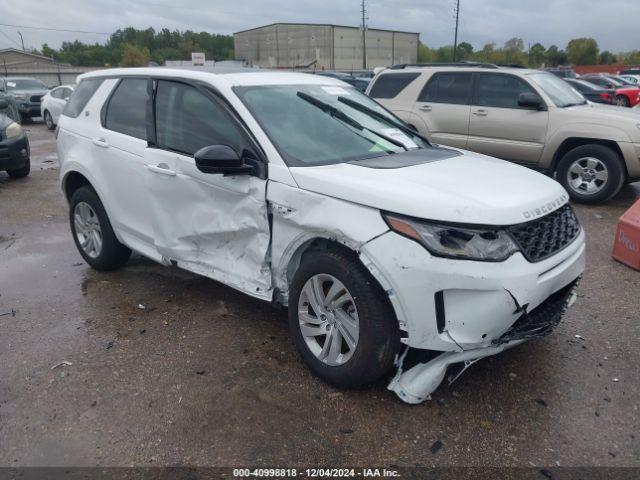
(213, 225)
(477, 297)
(301, 217)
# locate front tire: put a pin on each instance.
(48, 120)
(92, 232)
(622, 101)
(341, 319)
(591, 173)
(21, 172)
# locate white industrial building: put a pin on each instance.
(320, 46)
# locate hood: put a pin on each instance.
(29, 93)
(601, 112)
(469, 188)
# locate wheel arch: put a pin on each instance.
(72, 181)
(572, 142)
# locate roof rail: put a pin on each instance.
(453, 64)
(510, 65)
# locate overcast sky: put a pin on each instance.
(614, 24)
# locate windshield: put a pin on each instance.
(560, 92)
(322, 124)
(25, 84)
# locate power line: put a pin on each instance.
(10, 39)
(53, 29)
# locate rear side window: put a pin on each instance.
(81, 96)
(500, 91)
(389, 85)
(187, 120)
(452, 88)
(127, 108)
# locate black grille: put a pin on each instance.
(541, 238)
(36, 98)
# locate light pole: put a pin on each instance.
(364, 37)
(21, 40)
(455, 38)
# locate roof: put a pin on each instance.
(472, 67)
(21, 52)
(322, 25)
(246, 77)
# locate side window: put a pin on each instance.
(127, 108)
(187, 120)
(389, 85)
(452, 88)
(81, 96)
(56, 93)
(66, 93)
(500, 91)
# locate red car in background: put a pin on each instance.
(625, 96)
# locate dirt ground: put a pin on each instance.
(168, 368)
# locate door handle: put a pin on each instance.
(480, 113)
(425, 108)
(162, 169)
(100, 142)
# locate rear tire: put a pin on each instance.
(110, 254)
(377, 340)
(591, 173)
(48, 120)
(21, 172)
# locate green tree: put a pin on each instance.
(630, 58)
(464, 51)
(583, 51)
(554, 56)
(426, 54)
(514, 52)
(537, 55)
(607, 58)
(133, 56)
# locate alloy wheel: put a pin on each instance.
(88, 231)
(328, 319)
(587, 175)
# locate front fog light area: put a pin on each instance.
(456, 242)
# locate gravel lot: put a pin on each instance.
(168, 368)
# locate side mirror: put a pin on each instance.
(221, 159)
(532, 101)
(3, 104)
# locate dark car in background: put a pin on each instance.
(360, 83)
(14, 146)
(562, 72)
(592, 92)
(26, 93)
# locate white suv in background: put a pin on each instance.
(526, 116)
(298, 189)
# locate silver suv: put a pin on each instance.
(526, 116)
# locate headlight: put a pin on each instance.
(485, 244)
(20, 96)
(13, 130)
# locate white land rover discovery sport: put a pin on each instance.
(300, 190)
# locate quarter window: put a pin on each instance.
(452, 88)
(389, 85)
(500, 91)
(127, 108)
(187, 120)
(81, 96)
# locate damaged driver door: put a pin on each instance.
(212, 224)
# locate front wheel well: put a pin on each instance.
(571, 143)
(72, 182)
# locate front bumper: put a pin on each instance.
(14, 152)
(29, 109)
(455, 305)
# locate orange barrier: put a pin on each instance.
(626, 248)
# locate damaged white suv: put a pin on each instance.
(297, 189)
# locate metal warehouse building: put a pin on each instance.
(329, 47)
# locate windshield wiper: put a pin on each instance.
(340, 115)
(383, 118)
